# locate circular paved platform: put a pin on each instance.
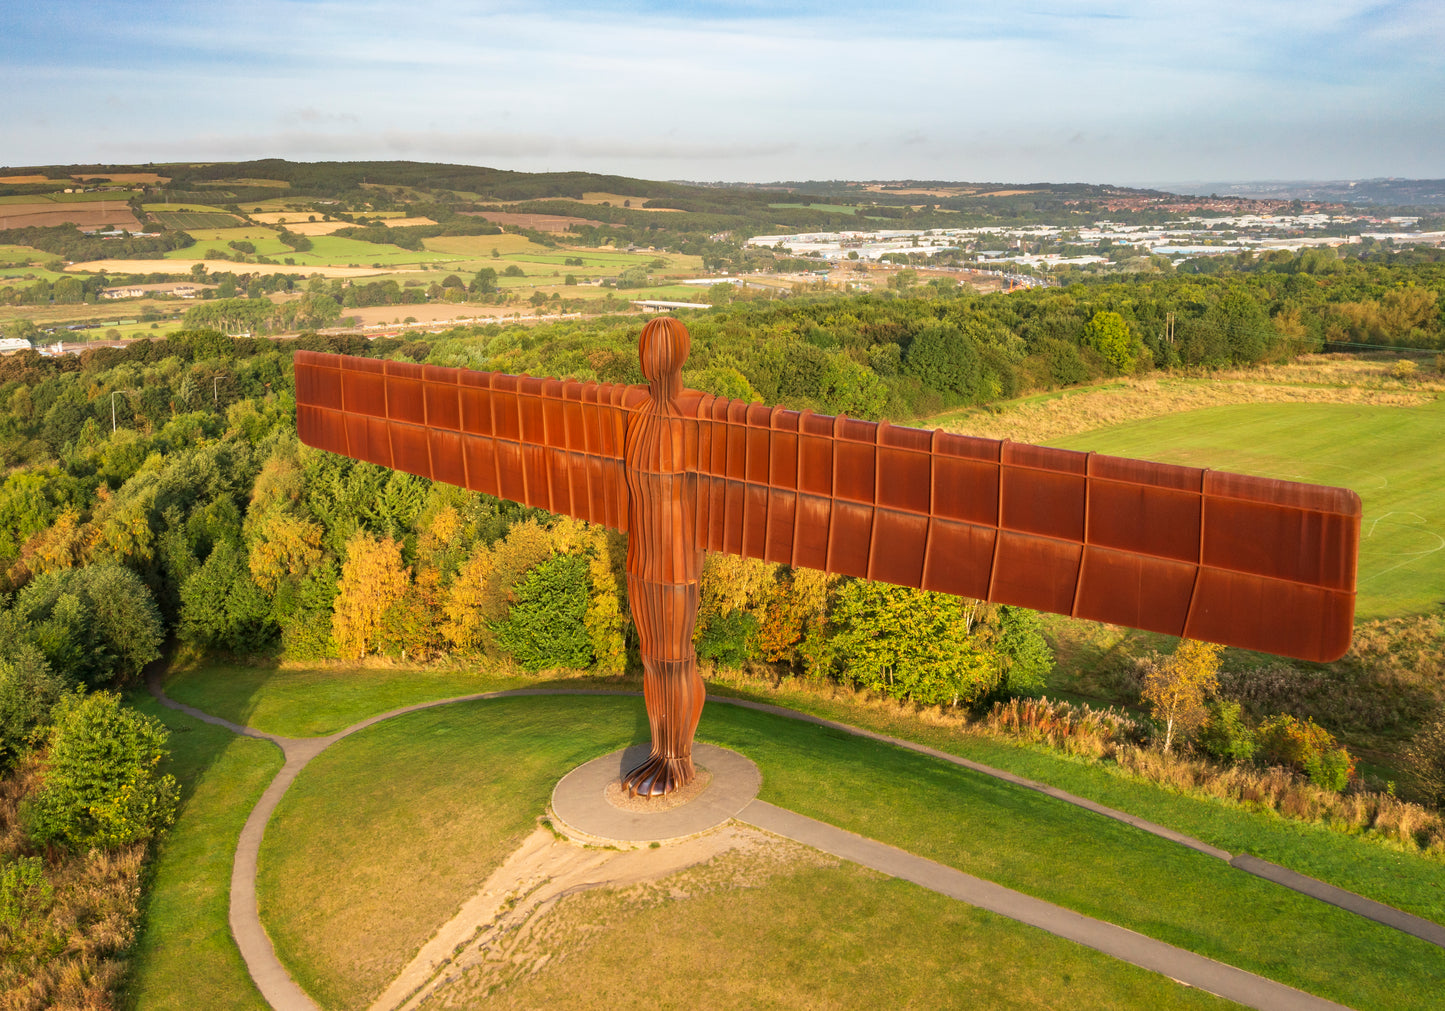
(580, 808)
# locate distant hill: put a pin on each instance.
(1361, 192)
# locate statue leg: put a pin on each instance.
(665, 614)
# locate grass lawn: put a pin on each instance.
(184, 956)
(779, 945)
(1389, 455)
(388, 831)
(314, 703)
(385, 833)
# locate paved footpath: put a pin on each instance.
(282, 993)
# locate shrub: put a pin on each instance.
(727, 640)
(24, 892)
(28, 689)
(102, 786)
(1307, 747)
(1225, 734)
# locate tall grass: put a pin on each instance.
(66, 948)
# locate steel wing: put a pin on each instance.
(1253, 562)
(548, 443)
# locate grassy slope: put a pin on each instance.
(384, 836)
(1389, 455)
(901, 947)
(184, 956)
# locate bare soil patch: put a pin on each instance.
(184, 266)
(536, 222)
(406, 222)
(85, 214)
(23, 180)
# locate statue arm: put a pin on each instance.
(1252, 562)
(548, 443)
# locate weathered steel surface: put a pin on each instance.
(1254, 562)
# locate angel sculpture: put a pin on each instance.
(1245, 561)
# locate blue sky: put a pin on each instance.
(1126, 92)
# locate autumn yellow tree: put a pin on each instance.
(373, 578)
(284, 546)
(1176, 686)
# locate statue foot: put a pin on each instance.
(658, 776)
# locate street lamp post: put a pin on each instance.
(112, 407)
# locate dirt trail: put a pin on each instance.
(495, 929)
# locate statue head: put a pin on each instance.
(663, 348)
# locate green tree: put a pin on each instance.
(102, 784)
(1225, 734)
(221, 605)
(1023, 656)
(943, 358)
(546, 626)
(909, 644)
(94, 624)
(1108, 334)
(485, 282)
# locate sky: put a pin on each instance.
(1143, 92)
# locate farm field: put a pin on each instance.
(264, 239)
(188, 220)
(171, 207)
(11, 256)
(1389, 455)
(223, 266)
(400, 810)
(538, 222)
(478, 246)
(829, 208)
(87, 214)
(105, 314)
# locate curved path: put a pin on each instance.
(282, 993)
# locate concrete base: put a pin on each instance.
(580, 810)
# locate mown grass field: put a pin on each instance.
(381, 838)
(1390, 455)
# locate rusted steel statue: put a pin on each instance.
(1263, 564)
